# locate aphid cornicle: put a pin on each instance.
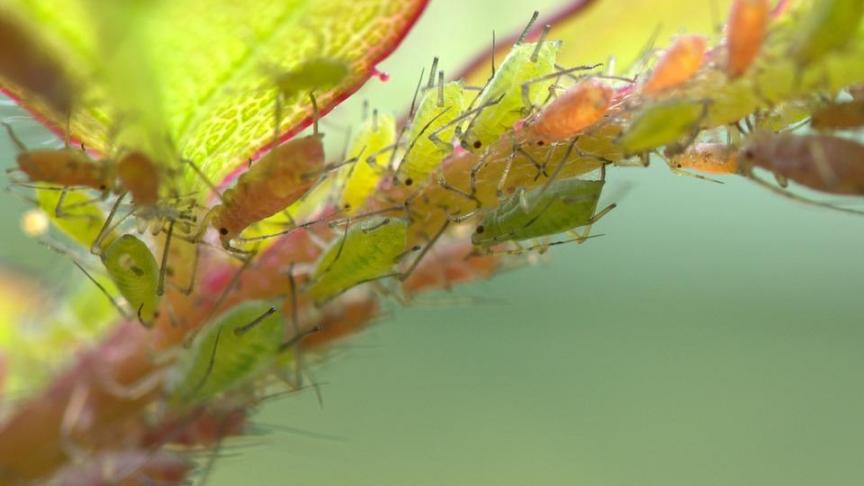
(821, 162)
(367, 250)
(560, 206)
(745, 32)
(677, 66)
(134, 271)
(828, 26)
(578, 108)
(272, 184)
(839, 116)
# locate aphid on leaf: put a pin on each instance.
(830, 25)
(431, 129)
(316, 73)
(677, 66)
(366, 251)
(745, 32)
(821, 162)
(368, 147)
(559, 206)
(519, 84)
(236, 347)
(134, 271)
(662, 123)
(272, 184)
(578, 108)
(839, 116)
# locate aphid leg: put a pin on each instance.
(214, 309)
(578, 239)
(206, 180)
(681, 172)
(795, 197)
(295, 327)
(471, 197)
(160, 286)
(473, 113)
(15, 140)
(315, 113)
(104, 291)
(407, 273)
(96, 246)
(646, 51)
(442, 144)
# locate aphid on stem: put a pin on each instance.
(745, 33)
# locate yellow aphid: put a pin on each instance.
(369, 148)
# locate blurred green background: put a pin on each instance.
(714, 336)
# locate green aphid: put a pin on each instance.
(134, 271)
(562, 206)
(371, 147)
(238, 345)
(510, 94)
(368, 250)
(78, 215)
(660, 124)
(431, 131)
(830, 25)
(317, 73)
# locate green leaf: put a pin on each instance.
(190, 79)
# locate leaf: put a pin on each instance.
(596, 30)
(191, 79)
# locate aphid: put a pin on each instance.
(138, 175)
(519, 84)
(828, 26)
(133, 269)
(578, 108)
(431, 129)
(821, 162)
(661, 124)
(367, 148)
(448, 264)
(677, 66)
(316, 73)
(366, 251)
(75, 214)
(272, 184)
(710, 158)
(240, 343)
(745, 32)
(839, 116)
(559, 206)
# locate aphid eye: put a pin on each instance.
(678, 165)
(103, 187)
(409, 181)
(478, 144)
(155, 314)
(480, 229)
(540, 143)
(749, 154)
(347, 206)
(223, 231)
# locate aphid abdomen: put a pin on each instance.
(139, 175)
(745, 32)
(368, 250)
(434, 111)
(64, 167)
(578, 108)
(133, 269)
(240, 343)
(661, 124)
(503, 93)
(712, 158)
(677, 66)
(821, 162)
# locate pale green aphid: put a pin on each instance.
(78, 215)
(503, 100)
(134, 271)
(368, 250)
(561, 206)
(317, 73)
(241, 343)
(660, 124)
(432, 127)
(369, 147)
(829, 25)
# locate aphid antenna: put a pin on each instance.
(423, 251)
(570, 147)
(235, 280)
(361, 282)
(536, 54)
(239, 331)
(472, 113)
(296, 339)
(15, 140)
(526, 86)
(544, 246)
(107, 227)
(432, 73)
(527, 28)
(646, 51)
(114, 302)
(160, 286)
(206, 180)
(414, 98)
(295, 325)
(680, 172)
(413, 142)
(315, 113)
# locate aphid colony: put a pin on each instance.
(474, 179)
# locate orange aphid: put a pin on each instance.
(678, 65)
(280, 178)
(711, 158)
(450, 264)
(139, 175)
(839, 116)
(581, 106)
(65, 167)
(745, 32)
